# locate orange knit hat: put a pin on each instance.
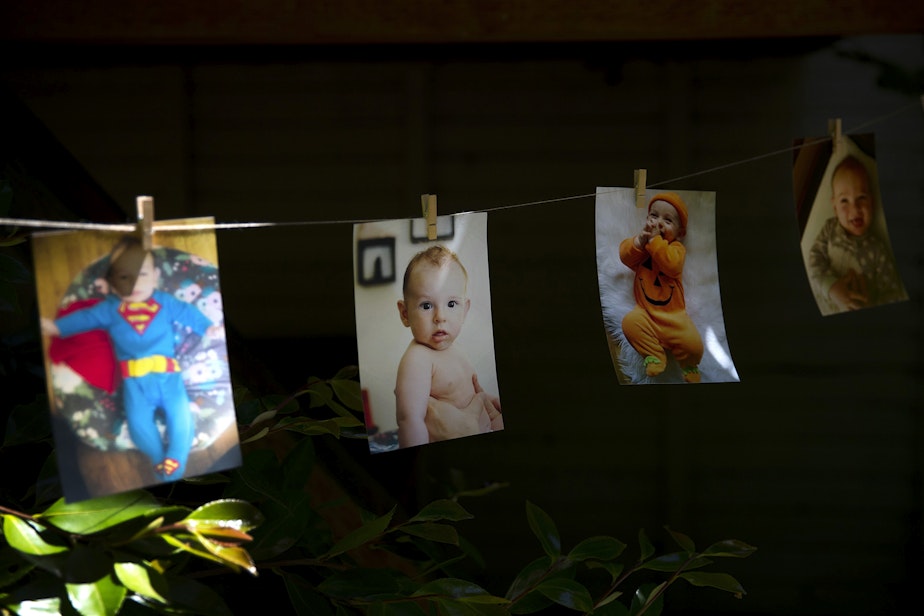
(675, 200)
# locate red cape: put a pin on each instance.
(88, 354)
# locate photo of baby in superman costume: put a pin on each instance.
(150, 365)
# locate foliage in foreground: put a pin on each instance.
(132, 552)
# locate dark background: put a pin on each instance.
(284, 113)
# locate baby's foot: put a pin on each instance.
(691, 374)
(654, 366)
(169, 466)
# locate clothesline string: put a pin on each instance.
(128, 227)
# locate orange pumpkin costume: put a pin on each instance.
(659, 322)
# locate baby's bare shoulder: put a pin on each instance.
(418, 354)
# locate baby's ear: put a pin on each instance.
(468, 304)
(402, 312)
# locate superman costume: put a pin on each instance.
(142, 336)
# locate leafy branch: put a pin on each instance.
(97, 557)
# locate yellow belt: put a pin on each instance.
(146, 365)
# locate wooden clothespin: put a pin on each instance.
(145, 221)
(837, 141)
(641, 178)
(428, 203)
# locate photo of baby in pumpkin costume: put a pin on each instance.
(659, 287)
(137, 361)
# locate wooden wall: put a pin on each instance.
(814, 457)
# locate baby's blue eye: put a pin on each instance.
(453, 303)
(426, 305)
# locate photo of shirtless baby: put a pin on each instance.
(442, 384)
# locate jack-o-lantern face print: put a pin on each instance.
(657, 288)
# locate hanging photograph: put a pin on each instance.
(659, 287)
(135, 357)
(426, 341)
(844, 237)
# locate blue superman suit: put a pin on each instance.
(142, 336)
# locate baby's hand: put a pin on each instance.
(48, 327)
(849, 292)
(647, 232)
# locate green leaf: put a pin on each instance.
(90, 516)
(529, 575)
(226, 513)
(483, 490)
(462, 590)
(142, 579)
(722, 581)
(348, 392)
(544, 529)
(645, 547)
(442, 533)
(196, 549)
(12, 566)
(731, 548)
(614, 569)
(343, 411)
(361, 536)
(311, 427)
(102, 598)
(24, 536)
(597, 548)
(686, 544)
(531, 603)
(305, 600)
(645, 600)
(279, 403)
(264, 416)
(256, 437)
(611, 607)
(319, 394)
(568, 593)
(232, 556)
(444, 509)
(673, 562)
(347, 372)
(48, 606)
(144, 525)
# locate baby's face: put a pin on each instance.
(853, 203)
(434, 305)
(145, 284)
(664, 217)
